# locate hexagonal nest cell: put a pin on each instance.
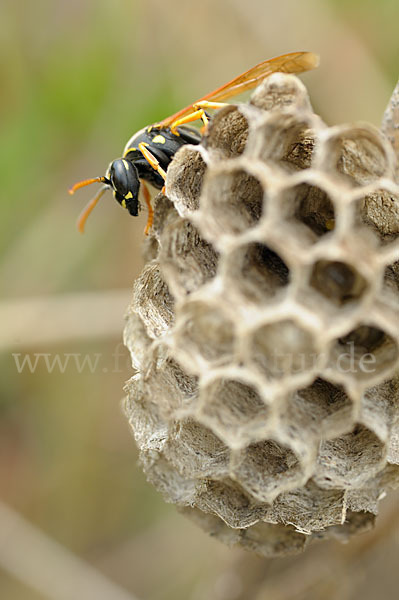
(264, 327)
(266, 469)
(258, 272)
(369, 211)
(338, 282)
(235, 193)
(309, 212)
(282, 349)
(234, 410)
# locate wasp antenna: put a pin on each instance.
(85, 182)
(88, 209)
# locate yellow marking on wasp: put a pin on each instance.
(149, 129)
(126, 164)
(123, 203)
(130, 150)
(129, 195)
(159, 139)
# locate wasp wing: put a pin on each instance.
(294, 62)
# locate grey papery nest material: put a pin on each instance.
(264, 328)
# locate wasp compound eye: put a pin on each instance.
(124, 179)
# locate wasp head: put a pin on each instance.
(123, 178)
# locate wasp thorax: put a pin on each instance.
(124, 179)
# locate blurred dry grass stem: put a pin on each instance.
(48, 567)
(56, 319)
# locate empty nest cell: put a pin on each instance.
(356, 154)
(364, 353)
(179, 390)
(164, 214)
(308, 211)
(196, 451)
(310, 508)
(174, 486)
(184, 179)
(257, 271)
(205, 333)
(380, 408)
(338, 282)
(285, 141)
(233, 200)
(136, 339)
(280, 91)
(144, 414)
(266, 469)
(379, 212)
(391, 279)
(188, 260)
(229, 501)
(320, 410)
(282, 349)
(350, 460)
(227, 132)
(234, 410)
(153, 301)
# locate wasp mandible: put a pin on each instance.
(149, 152)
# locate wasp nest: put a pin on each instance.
(265, 326)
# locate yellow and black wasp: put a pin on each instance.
(149, 152)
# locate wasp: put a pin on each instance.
(149, 152)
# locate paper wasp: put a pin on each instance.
(149, 152)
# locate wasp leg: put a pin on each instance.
(194, 116)
(147, 198)
(197, 114)
(152, 161)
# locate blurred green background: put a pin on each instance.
(78, 78)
